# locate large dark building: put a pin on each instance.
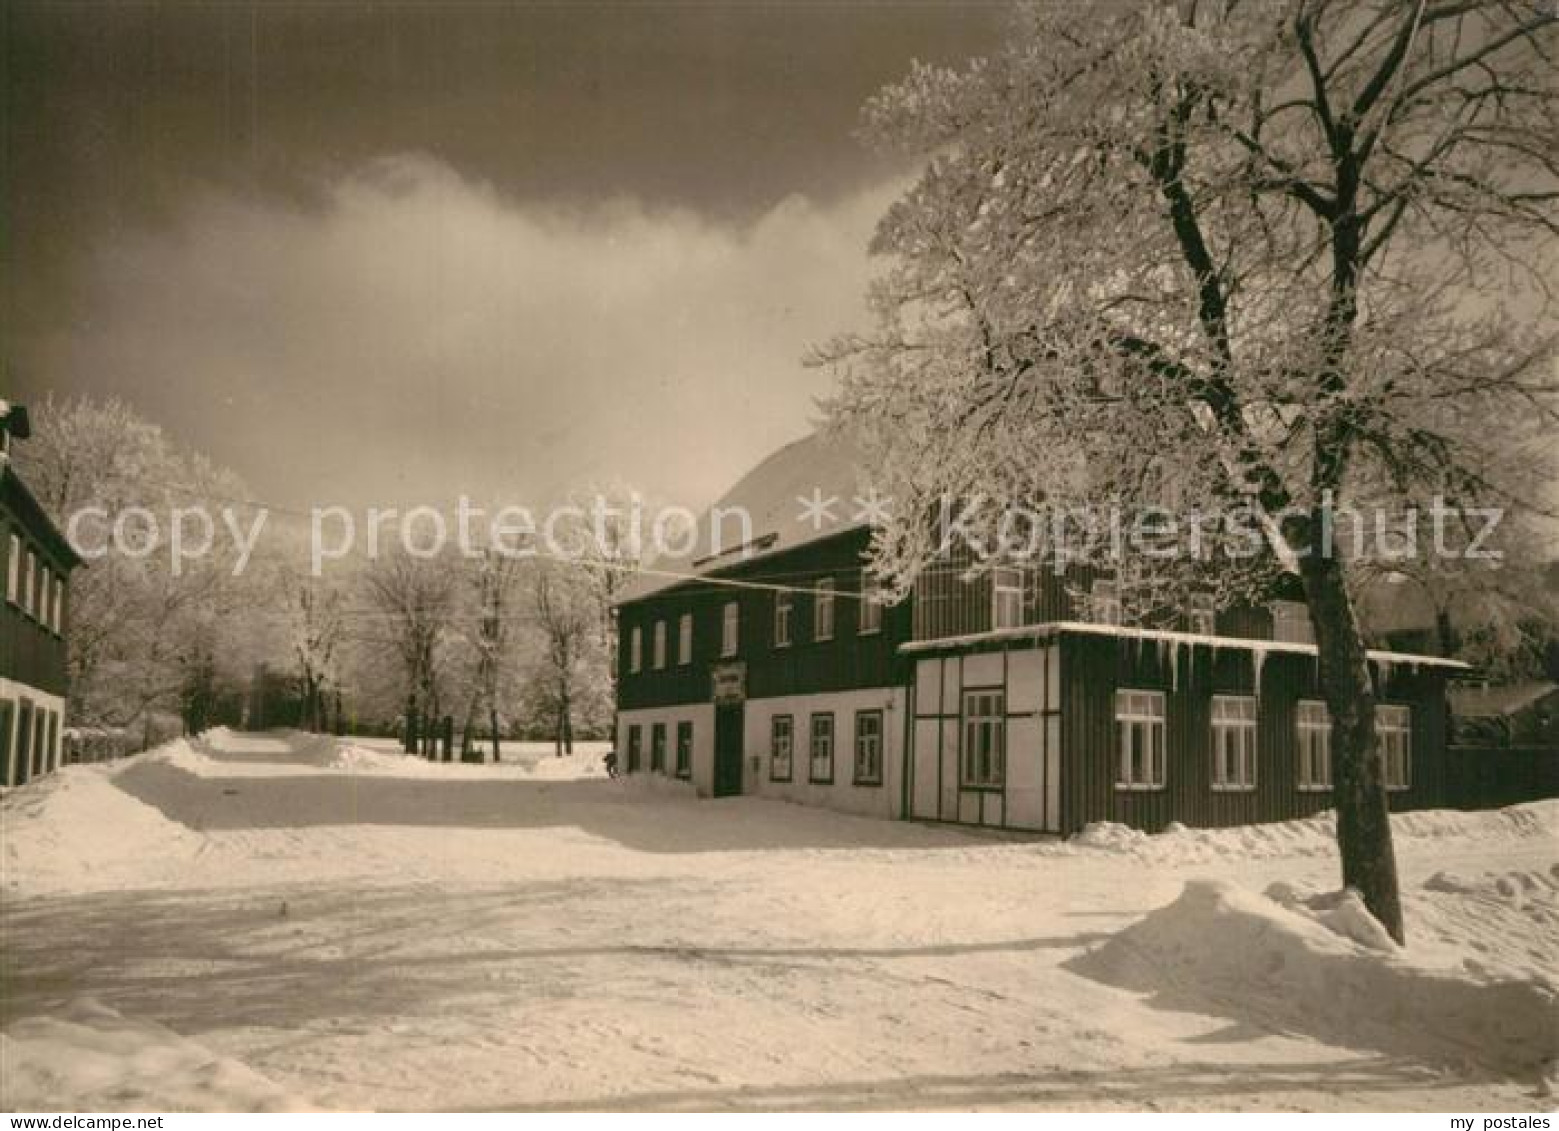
(1002, 700)
(35, 561)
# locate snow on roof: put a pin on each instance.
(773, 496)
(1055, 628)
(1481, 701)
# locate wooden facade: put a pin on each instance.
(941, 684)
(35, 565)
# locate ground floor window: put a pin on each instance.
(635, 748)
(782, 736)
(985, 740)
(868, 748)
(7, 713)
(1315, 745)
(1139, 731)
(1394, 728)
(684, 750)
(822, 749)
(1234, 742)
(658, 748)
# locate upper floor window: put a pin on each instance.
(1394, 729)
(984, 763)
(1202, 616)
(1234, 742)
(1139, 736)
(1314, 723)
(29, 584)
(730, 628)
(1104, 602)
(870, 607)
(783, 601)
(659, 647)
(59, 604)
(868, 748)
(1006, 597)
(14, 575)
(1291, 623)
(636, 649)
(823, 610)
(822, 768)
(685, 639)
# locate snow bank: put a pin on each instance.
(1310, 836)
(75, 829)
(353, 758)
(91, 1058)
(1221, 949)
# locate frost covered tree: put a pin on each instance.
(1280, 260)
(145, 639)
(569, 675)
(414, 599)
(315, 623)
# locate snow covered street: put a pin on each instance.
(287, 921)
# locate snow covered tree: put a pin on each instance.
(486, 624)
(1284, 261)
(568, 681)
(414, 598)
(316, 626)
(145, 638)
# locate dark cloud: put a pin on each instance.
(518, 225)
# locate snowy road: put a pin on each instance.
(353, 929)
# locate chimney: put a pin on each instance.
(13, 422)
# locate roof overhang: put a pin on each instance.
(1050, 630)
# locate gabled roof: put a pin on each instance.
(773, 496)
(32, 515)
(1483, 701)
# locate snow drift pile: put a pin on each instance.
(90, 1058)
(76, 828)
(1326, 968)
(1309, 836)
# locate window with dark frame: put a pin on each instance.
(13, 580)
(1104, 602)
(1006, 597)
(1139, 736)
(868, 748)
(685, 640)
(821, 763)
(660, 645)
(823, 610)
(685, 749)
(635, 747)
(1394, 729)
(658, 748)
(1314, 724)
(1234, 742)
(784, 602)
(984, 761)
(730, 629)
(869, 618)
(782, 738)
(1202, 616)
(636, 649)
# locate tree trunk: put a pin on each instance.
(1369, 862)
(492, 722)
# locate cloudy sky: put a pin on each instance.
(371, 253)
